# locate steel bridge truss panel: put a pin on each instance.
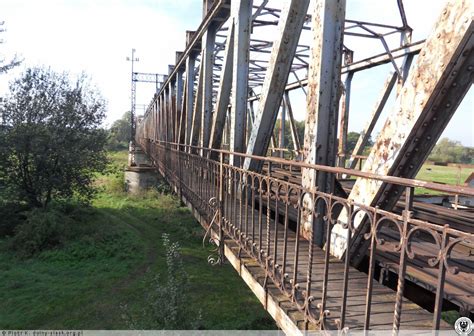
(433, 90)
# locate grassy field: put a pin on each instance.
(448, 175)
(441, 174)
(100, 279)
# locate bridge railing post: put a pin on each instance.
(407, 213)
(221, 207)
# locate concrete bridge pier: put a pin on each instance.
(140, 174)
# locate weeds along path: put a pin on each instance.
(85, 283)
(137, 225)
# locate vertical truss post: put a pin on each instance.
(227, 127)
(207, 74)
(344, 122)
(223, 96)
(197, 112)
(282, 129)
(294, 130)
(166, 111)
(174, 122)
(160, 117)
(241, 13)
(322, 104)
(171, 110)
(290, 25)
(433, 90)
(189, 97)
(405, 38)
(155, 116)
(179, 101)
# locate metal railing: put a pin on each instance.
(262, 214)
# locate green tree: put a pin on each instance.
(447, 150)
(119, 133)
(52, 142)
(6, 66)
(287, 136)
(352, 138)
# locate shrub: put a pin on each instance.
(167, 301)
(42, 229)
(11, 215)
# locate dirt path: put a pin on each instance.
(151, 254)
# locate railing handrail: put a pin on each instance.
(450, 189)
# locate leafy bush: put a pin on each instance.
(42, 229)
(11, 215)
(115, 180)
(167, 302)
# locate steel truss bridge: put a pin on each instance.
(321, 244)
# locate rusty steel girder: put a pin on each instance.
(322, 104)
(292, 18)
(433, 90)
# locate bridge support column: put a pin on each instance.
(241, 13)
(322, 107)
(189, 96)
(207, 80)
(140, 176)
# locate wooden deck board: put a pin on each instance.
(458, 287)
(383, 298)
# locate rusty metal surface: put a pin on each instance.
(428, 100)
(292, 18)
(292, 265)
(320, 131)
(241, 12)
(263, 212)
(223, 95)
(207, 55)
(373, 118)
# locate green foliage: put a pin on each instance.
(11, 215)
(451, 151)
(52, 142)
(119, 133)
(287, 136)
(40, 231)
(167, 305)
(352, 138)
(6, 66)
(450, 316)
(110, 256)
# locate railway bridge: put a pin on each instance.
(323, 245)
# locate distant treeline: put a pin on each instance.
(445, 151)
(451, 151)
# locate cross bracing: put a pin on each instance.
(250, 63)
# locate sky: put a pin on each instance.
(96, 36)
